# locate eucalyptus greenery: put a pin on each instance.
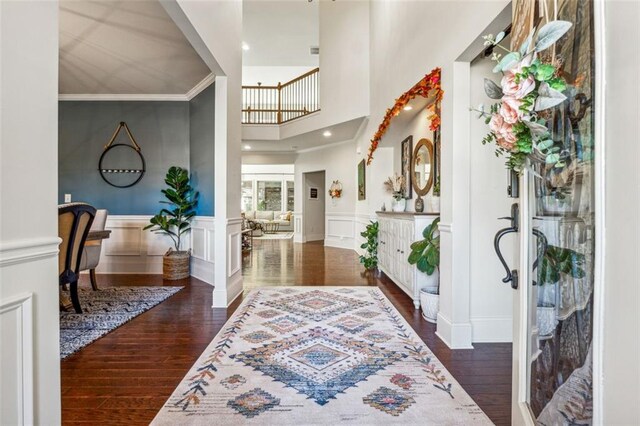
(370, 259)
(425, 254)
(528, 88)
(175, 220)
(436, 187)
(557, 261)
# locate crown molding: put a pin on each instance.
(202, 84)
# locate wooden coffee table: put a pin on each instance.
(271, 227)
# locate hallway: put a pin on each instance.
(126, 376)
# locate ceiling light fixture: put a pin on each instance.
(247, 147)
(326, 134)
(245, 46)
(408, 108)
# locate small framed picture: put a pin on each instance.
(313, 193)
(405, 166)
(362, 190)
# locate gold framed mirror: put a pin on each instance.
(422, 167)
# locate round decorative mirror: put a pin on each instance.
(422, 167)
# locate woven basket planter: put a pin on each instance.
(175, 265)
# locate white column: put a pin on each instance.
(214, 29)
(454, 325)
(29, 325)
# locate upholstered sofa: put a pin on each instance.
(284, 219)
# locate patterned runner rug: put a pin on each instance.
(104, 311)
(276, 236)
(318, 355)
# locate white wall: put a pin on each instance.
(339, 161)
(271, 75)
(620, 335)
(491, 299)
(314, 209)
(29, 351)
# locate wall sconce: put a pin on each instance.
(335, 191)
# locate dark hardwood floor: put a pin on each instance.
(126, 376)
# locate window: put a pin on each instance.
(247, 195)
(269, 195)
(290, 196)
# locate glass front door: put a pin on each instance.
(558, 239)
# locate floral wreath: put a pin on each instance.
(529, 87)
(430, 84)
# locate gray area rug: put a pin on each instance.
(104, 311)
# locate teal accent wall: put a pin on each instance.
(169, 133)
(202, 154)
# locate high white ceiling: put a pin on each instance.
(280, 33)
(124, 47)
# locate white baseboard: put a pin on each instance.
(492, 330)
(223, 297)
(339, 242)
(202, 270)
(456, 336)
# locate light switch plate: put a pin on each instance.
(67, 198)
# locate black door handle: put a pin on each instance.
(512, 274)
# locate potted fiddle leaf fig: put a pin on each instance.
(175, 222)
(425, 254)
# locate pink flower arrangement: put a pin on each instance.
(527, 87)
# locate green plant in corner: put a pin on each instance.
(370, 259)
(425, 254)
(175, 221)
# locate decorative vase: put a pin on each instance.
(399, 205)
(546, 320)
(419, 205)
(430, 301)
(175, 265)
(434, 204)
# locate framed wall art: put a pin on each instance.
(405, 165)
(362, 189)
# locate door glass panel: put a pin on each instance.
(562, 254)
(270, 195)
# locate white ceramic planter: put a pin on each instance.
(430, 302)
(399, 205)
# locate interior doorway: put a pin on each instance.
(314, 206)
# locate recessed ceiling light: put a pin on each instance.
(247, 147)
(326, 134)
(408, 108)
(245, 46)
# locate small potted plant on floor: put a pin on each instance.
(425, 254)
(370, 258)
(175, 221)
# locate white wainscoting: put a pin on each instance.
(16, 329)
(132, 250)
(340, 230)
(203, 248)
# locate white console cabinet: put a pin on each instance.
(397, 231)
